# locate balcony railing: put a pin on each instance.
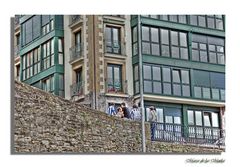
(114, 47)
(206, 136)
(77, 89)
(76, 52)
(74, 19)
(16, 50)
(116, 86)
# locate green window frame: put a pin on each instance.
(48, 84)
(135, 41)
(48, 54)
(158, 41)
(208, 49)
(47, 24)
(166, 80)
(136, 79)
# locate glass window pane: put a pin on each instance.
(206, 117)
(183, 39)
(166, 74)
(174, 38)
(154, 34)
(182, 19)
(215, 122)
(157, 87)
(115, 34)
(173, 18)
(136, 72)
(156, 73)
(195, 55)
(169, 119)
(148, 86)
(210, 22)
(206, 93)
(134, 34)
(194, 45)
(212, 47)
(212, 57)
(215, 94)
(220, 49)
(185, 77)
(109, 72)
(147, 72)
(165, 51)
(167, 89)
(137, 87)
(198, 118)
(108, 34)
(164, 36)
(203, 56)
(190, 117)
(197, 92)
(116, 74)
(217, 80)
(186, 90)
(222, 92)
(175, 52)
(146, 48)
(60, 58)
(135, 49)
(176, 89)
(219, 24)
(177, 120)
(184, 53)
(145, 33)
(60, 47)
(176, 76)
(155, 49)
(159, 112)
(221, 58)
(193, 20)
(203, 46)
(163, 17)
(202, 21)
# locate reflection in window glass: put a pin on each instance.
(176, 76)
(154, 35)
(215, 94)
(145, 33)
(185, 77)
(206, 93)
(148, 86)
(167, 88)
(159, 115)
(176, 90)
(156, 73)
(174, 38)
(166, 74)
(145, 48)
(186, 90)
(197, 92)
(169, 119)
(147, 72)
(190, 117)
(183, 39)
(157, 87)
(206, 117)
(164, 36)
(215, 122)
(198, 118)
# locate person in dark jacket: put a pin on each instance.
(125, 111)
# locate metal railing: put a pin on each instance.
(76, 51)
(206, 136)
(115, 47)
(116, 86)
(16, 50)
(74, 18)
(77, 89)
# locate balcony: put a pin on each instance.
(203, 136)
(74, 19)
(76, 52)
(116, 86)
(114, 47)
(16, 50)
(77, 89)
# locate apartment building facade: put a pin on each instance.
(183, 73)
(94, 60)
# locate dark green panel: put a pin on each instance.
(135, 59)
(45, 73)
(24, 18)
(58, 22)
(184, 27)
(183, 63)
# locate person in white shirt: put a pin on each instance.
(135, 113)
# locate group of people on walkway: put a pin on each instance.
(124, 112)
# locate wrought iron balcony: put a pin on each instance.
(76, 52)
(16, 50)
(74, 19)
(116, 86)
(77, 89)
(114, 47)
(205, 136)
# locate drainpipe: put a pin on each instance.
(94, 67)
(141, 84)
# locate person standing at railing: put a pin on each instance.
(125, 111)
(135, 113)
(111, 109)
(120, 112)
(152, 118)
